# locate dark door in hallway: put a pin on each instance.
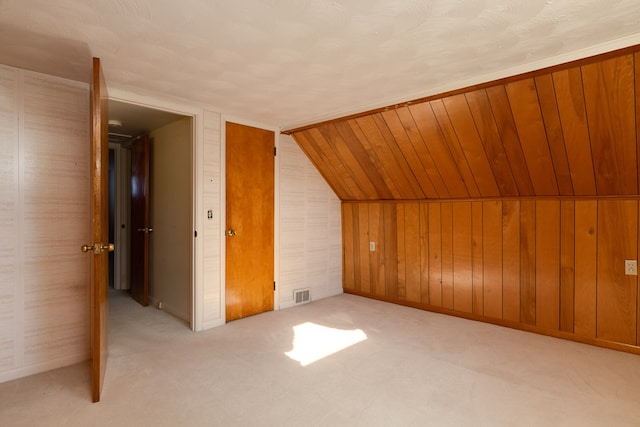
(140, 227)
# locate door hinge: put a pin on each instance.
(195, 233)
(274, 286)
(275, 151)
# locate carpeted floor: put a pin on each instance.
(344, 360)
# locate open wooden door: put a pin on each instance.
(98, 250)
(250, 221)
(140, 228)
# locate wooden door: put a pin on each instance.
(99, 248)
(249, 221)
(140, 227)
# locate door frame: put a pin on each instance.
(197, 142)
(224, 118)
(121, 254)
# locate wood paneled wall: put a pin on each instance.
(566, 131)
(544, 265)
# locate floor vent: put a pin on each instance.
(302, 296)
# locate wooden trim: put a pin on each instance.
(501, 199)
(502, 81)
(507, 324)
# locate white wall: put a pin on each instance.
(44, 218)
(310, 234)
(171, 214)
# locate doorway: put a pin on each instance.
(170, 251)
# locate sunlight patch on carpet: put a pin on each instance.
(312, 342)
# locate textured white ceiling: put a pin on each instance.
(290, 62)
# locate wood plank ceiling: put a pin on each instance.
(569, 130)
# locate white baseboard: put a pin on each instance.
(25, 371)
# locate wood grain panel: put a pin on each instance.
(511, 260)
(390, 160)
(586, 222)
(510, 140)
(462, 258)
(490, 136)
(412, 251)
(446, 218)
(390, 227)
(322, 163)
(424, 253)
(358, 168)
(419, 145)
(636, 61)
(401, 281)
(616, 292)
(451, 140)
(408, 150)
(376, 258)
(363, 282)
(573, 116)
(478, 257)
(411, 186)
(432, 135)
(610, 104)
(553, 127)
(435, 255)
(348, 250)
(465, 129)
(528, 262)
(523, 99)
(492, 241)
(567, 265)
(548, 264)
(366, 157)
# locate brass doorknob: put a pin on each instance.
(231, 232)
(98, 248)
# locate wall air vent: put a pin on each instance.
(302, 296)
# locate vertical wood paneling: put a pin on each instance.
(492, 241)
(510, 140)
(412, 251)
(446, 212)
(478, 257)
(464, 127)
(348, 247)
(408, 150)
(551, 118)
(364, 282)
(491, 141)
(567, 263)
(548, 264)
(435, 255)
(424, 253)
(573, 116)
(511, 260)
(451, 140)
(585, 264)
(358, 168)
(610, 105)
(376, 264)
(419, 145)
(525, 106)
(462, 258)
(616, 292)
(432, 135)
(401, 282)
(390, 227)
(528, 262)
(320, 159)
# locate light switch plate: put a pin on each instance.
(372, 246)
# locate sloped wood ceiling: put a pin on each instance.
(569, 130)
